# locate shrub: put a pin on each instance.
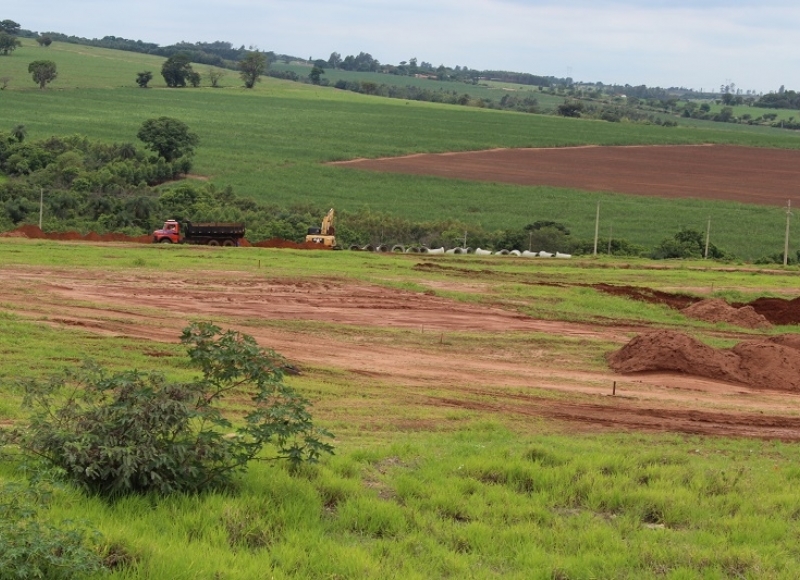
(131, 431)
(31, 547)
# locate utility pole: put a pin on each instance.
(41, 205)
(786, 239)
(596, 227)
(708, 236)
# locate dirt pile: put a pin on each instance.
(717, 310)
(773, 310)
(772, 363)
(777, 310)
(34, 233)
(281, 243)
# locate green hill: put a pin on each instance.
(270, 144)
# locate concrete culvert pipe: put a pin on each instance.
(502, 252)
(452, 251)
(515, 253)
(355, 248)
(529, 254)
(436, 250)
(423, 249)
(480, 252)
(368, 248)
(398, 248)
(544, 254)
(413, 250)
(382, 248)
(560, 255)
(468, 250)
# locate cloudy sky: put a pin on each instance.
(694, 44)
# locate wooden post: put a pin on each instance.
(614, 389)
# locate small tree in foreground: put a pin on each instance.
(43, 72)
(131, 432)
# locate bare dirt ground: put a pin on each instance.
(419, 368)
(743, 174)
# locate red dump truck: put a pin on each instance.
(209, 234)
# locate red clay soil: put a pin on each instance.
(771, 363)
(723, 172)
(33, 232)
(423, 374)
(777, 310)
(717, 310)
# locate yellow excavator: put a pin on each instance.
(325, 234)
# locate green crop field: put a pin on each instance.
(271, 144)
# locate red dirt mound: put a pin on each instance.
(281, 243)
(671, 299)
(33, 232)
(773, 310)
(777, 310)
(772, 363)
(717, 310)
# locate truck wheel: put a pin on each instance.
(164, 241)
(213, 242)
(228, 243)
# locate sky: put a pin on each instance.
(679, 43)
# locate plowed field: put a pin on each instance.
(743, 174)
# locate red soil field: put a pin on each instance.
(714, 172)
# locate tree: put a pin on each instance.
(252, 66)
(168, 137)
(134, 432)
(214, 76)
(335, 60)
(143, 78)
(18, 133)
(8, 43)
(194, 79)
(43, 72)
(315, 74)
(176, 70)
(570, 109)
(9, 27)
(44, 40)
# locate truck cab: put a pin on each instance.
(169, 234)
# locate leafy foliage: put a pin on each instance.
(143, 78)
(176, 70)
(43, 72)
(132, 432)
(170, 138)
(8, 43)
(251, 67)
(686, 243)
(32, 547)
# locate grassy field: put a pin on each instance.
(270, 144)
(426, 491)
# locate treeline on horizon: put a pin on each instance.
(224, 54)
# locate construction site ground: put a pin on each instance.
(397, 353)
(420, 370)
